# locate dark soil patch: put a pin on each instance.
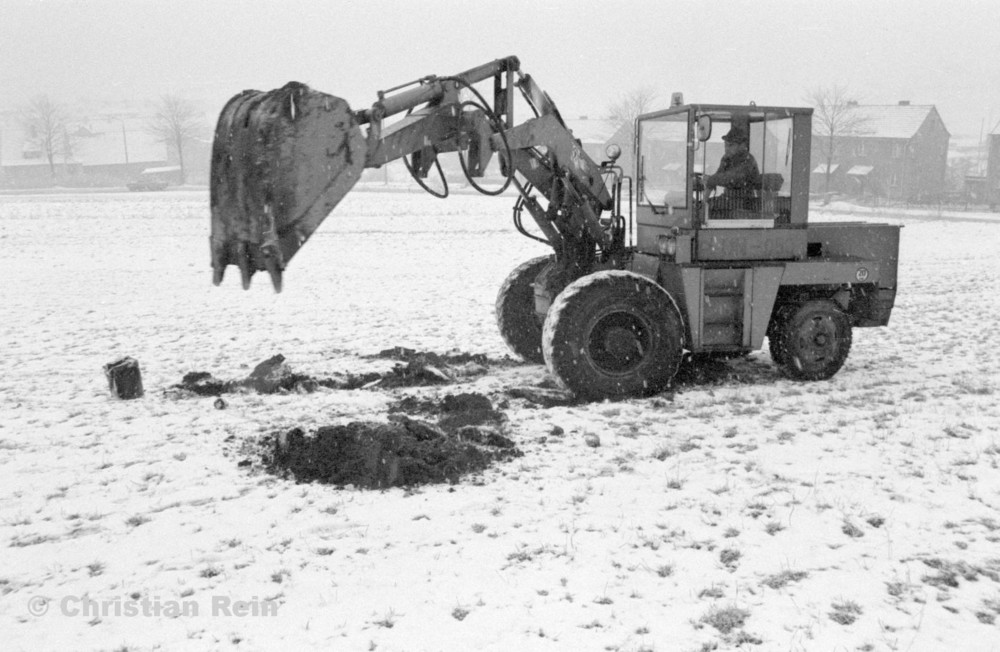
(274, 375)
(460, 434)
(271, 376)
(454, 411)
(450, 359)
(370, 455)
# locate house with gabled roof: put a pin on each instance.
(993, 168)
(593, 135)
(898, 151)
(105, 150)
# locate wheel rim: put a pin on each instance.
(619, 342)
(817, 341)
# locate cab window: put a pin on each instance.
(663, 161)
(748, 185)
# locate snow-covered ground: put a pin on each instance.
(748, 512)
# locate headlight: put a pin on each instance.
(613, 152)
(667, 245)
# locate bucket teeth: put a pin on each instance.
(243, 262)
(274, 271)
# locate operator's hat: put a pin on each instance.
(737, 134)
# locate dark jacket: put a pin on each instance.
(736, 172)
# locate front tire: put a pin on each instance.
(613, 334)
(812, 341)
(519, 325)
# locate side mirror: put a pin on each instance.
(704, 127)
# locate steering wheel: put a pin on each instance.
(698, 183)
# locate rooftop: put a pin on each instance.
(588, 130)
(96, 141)
(893, 120)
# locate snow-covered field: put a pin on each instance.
(747, 512)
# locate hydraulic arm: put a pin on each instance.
(282, 160)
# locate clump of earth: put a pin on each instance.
(466, 437)
(275, 375)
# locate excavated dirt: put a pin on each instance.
(271, 376)
(416, 369)
(450, 359)
(403, 452)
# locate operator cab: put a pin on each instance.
(681, 148)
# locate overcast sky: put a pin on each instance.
(584, 53)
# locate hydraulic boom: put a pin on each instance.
(282, 160)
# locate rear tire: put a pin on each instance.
(613, 334)
(775, 332)
(813, 341)
(519, 325)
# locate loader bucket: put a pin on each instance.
(281, 161)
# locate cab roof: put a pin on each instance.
(724, 111)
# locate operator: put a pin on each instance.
(738, 174)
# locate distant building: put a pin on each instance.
(899, 152)
(107, 150)
(594, 135)
(993, 169)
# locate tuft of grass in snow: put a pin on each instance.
(388, 620)
(665, 570)
(730, 557)
(845, 612)
(990, 611)
(662, 452)
(974, 385)
(851, 530)
(773, 527)
(30, 540)
(725, 619)
(713, 591)
(783, 578)
(210, 571)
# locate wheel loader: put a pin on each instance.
(645, 268)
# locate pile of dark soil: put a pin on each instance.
(454, 411)
(403, 452)
(275, 375)
(419, 368)
(450, 359)
(271, 376)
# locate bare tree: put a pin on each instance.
(175, 123)
(628, 107)
(835, 115)
(46, 124)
